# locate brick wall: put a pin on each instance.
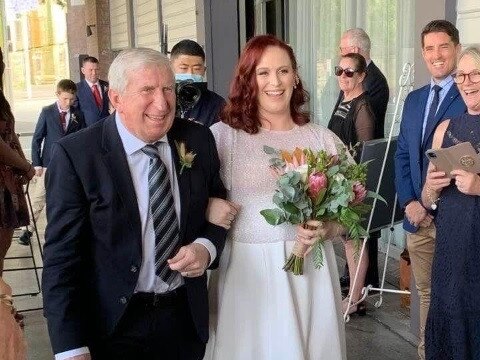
(76, 37)
(91, 12)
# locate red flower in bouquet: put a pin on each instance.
(317, 182)
(359, 192)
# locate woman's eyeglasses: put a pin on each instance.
(348, 72)
(473, 76)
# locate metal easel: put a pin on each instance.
(405, 86)
(35, 267)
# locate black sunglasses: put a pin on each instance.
(348, 72)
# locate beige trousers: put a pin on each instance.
(421, 246)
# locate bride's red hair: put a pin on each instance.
(241, 111)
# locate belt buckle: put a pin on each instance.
(156, 299)
(164, 298)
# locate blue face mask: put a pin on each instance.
(193, 77)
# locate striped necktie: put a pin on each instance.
(162, 211)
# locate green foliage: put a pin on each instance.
(318, 254)
(339, 199)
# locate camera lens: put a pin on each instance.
(188, 94)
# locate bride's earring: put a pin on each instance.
(297, 80)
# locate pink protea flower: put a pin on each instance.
(359, 191)
(316, 182)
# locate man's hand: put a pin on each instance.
(221, 212)
(427, 221)
(191, 260)
(415, 213)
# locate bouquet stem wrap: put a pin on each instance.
(299, 251)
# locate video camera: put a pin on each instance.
(188, 94)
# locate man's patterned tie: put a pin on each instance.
(162, 211)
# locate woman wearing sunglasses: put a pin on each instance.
(353, 121)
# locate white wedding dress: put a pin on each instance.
(258, 311)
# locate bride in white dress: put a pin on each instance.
(259, 311)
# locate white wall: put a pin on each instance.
(468, 21)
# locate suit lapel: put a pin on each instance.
(418, 114)
(445, 104)
(72, 123)
(115, 160)
(55, 116)
(182, 179)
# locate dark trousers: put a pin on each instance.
(154, 327)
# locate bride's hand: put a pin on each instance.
(221, 212)
(318, 230)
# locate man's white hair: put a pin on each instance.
(131, 60)
(359, 38)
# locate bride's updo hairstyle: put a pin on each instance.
(241, 111)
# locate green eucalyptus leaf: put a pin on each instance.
(373, 195)
(269, 150)
(291, 208)
(273, 216)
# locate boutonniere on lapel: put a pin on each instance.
(186, 157)
(73, 118)
(105, 89)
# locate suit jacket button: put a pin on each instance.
(133, 269)
(123, 300)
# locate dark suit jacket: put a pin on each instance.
(93, 248)
(207, 110)
(375, 84)
(410, 161)
(86, 102)
(49, 130)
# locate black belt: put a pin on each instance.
(167, 299)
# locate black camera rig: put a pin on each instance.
(188, 94)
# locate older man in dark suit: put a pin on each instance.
(127, 242)
(92, 93)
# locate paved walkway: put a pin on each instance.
(383, 334)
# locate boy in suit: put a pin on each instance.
(55, 121)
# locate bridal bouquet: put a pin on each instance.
(318, 186)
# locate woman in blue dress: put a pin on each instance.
(453, 324)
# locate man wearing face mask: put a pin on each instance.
(188, 62)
